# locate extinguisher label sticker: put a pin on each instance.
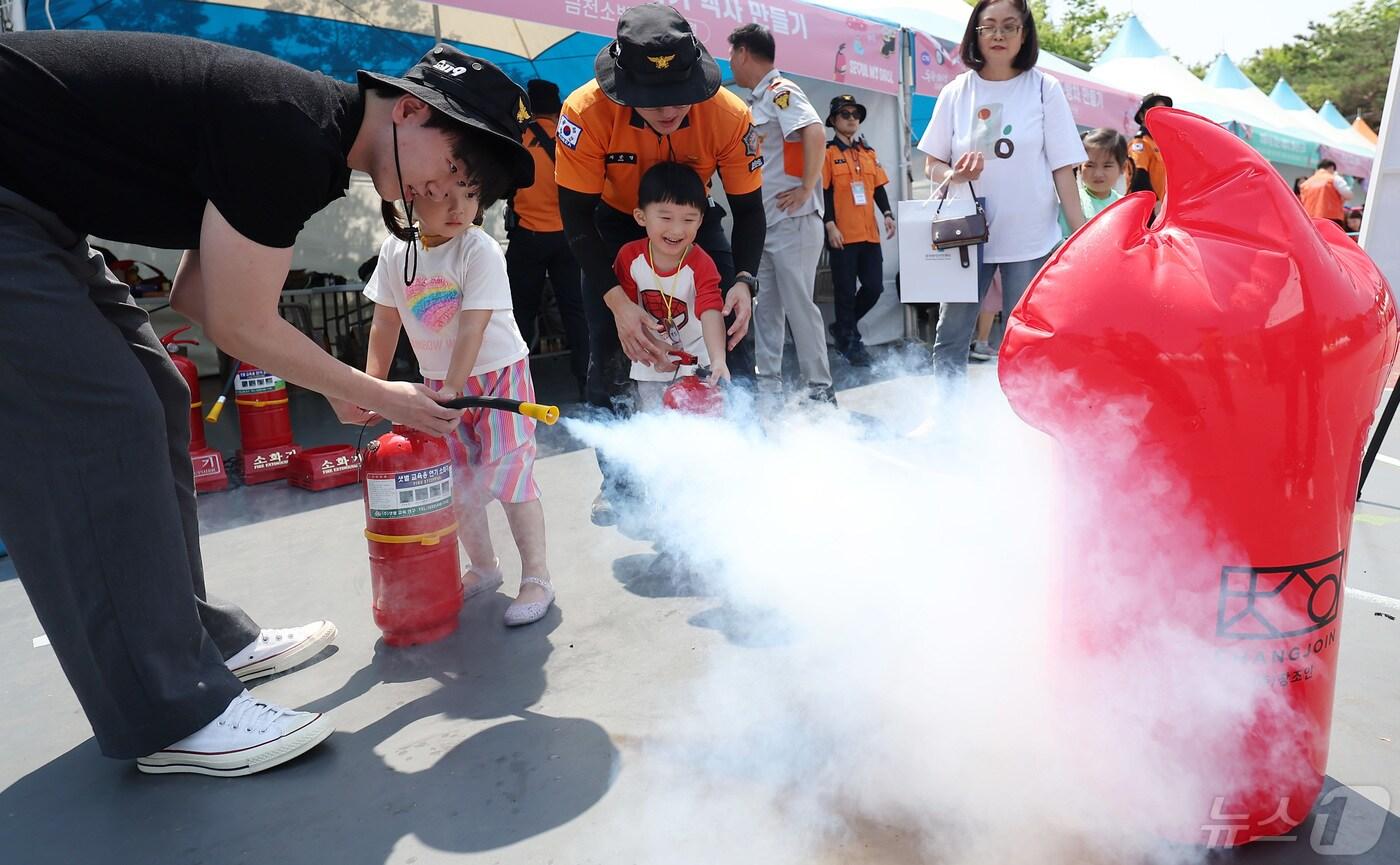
(257, 381)
(409, 494)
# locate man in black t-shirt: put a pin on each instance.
(232, 153)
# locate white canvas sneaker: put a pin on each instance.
(278, 650)
(248, 737)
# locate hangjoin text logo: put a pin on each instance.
(1272, 603)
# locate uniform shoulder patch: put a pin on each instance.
(782, 99)
(750, 141)
(568, 132)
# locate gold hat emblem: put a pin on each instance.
(521, 112)
(663, 62)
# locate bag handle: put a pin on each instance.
(942, 187)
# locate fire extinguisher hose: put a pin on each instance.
(547, 413)
(428, 539)
(218, 409)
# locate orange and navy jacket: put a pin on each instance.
(847, 164)
(1147, 157)
(605, 148)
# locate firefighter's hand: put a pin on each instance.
(719, 372)
(417, 406)
(739, 301)
(793, 200)
(349, 413)
(834, 238)
(889, 226)
(636, 331)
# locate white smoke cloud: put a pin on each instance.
(919, 689)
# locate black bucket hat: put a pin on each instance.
(544, 96)
(475, 93)
(656, 61)
(1151, 100)
(843, 101)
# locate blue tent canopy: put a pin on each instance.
(334, 47)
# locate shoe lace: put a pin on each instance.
(253, 716)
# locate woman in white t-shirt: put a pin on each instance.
(449, 291)
(1005, 126)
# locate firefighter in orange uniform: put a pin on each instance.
(1149, 171)
(656, 97)
(538, 247)
(857, 209)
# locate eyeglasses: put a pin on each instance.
(993, 30)
(848, 115)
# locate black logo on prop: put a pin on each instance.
(1270, 603)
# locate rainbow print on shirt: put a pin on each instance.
(434, 301)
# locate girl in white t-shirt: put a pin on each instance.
(450, 292)
(1005, 126)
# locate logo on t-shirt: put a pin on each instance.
(434, 301)
(568, 132)
(990, 135)
(654, 303)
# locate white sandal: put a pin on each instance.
(487, 580)
(523, 614)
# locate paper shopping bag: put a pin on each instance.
(928, 275)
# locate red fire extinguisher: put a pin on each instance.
(264, 423)
(411, 527)
(691, 393)
(209, 473)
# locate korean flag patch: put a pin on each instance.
(568, 132)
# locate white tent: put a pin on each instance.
(1382, 222)
(1135, 61)
(1348, 140)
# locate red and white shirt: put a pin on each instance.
(688, 292)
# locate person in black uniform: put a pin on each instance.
(538, 246)
(100, 513)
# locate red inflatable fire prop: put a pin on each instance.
(1255, 343)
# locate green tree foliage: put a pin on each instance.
(1079, 29)
(1346, 59)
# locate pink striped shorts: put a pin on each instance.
(493, 452)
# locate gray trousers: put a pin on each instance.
(97, 493)
(957, 321)
(787, 278)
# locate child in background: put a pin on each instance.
(671, 278)
(457, 312)
(1107, 162)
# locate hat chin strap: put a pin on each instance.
(411, 255)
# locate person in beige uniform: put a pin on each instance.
(793, 148)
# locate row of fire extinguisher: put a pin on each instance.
(266, 450)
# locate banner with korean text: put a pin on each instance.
(819, 43)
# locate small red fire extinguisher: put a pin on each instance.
(209, 473)
(411, 526)
(264, 423)
(690, 393)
